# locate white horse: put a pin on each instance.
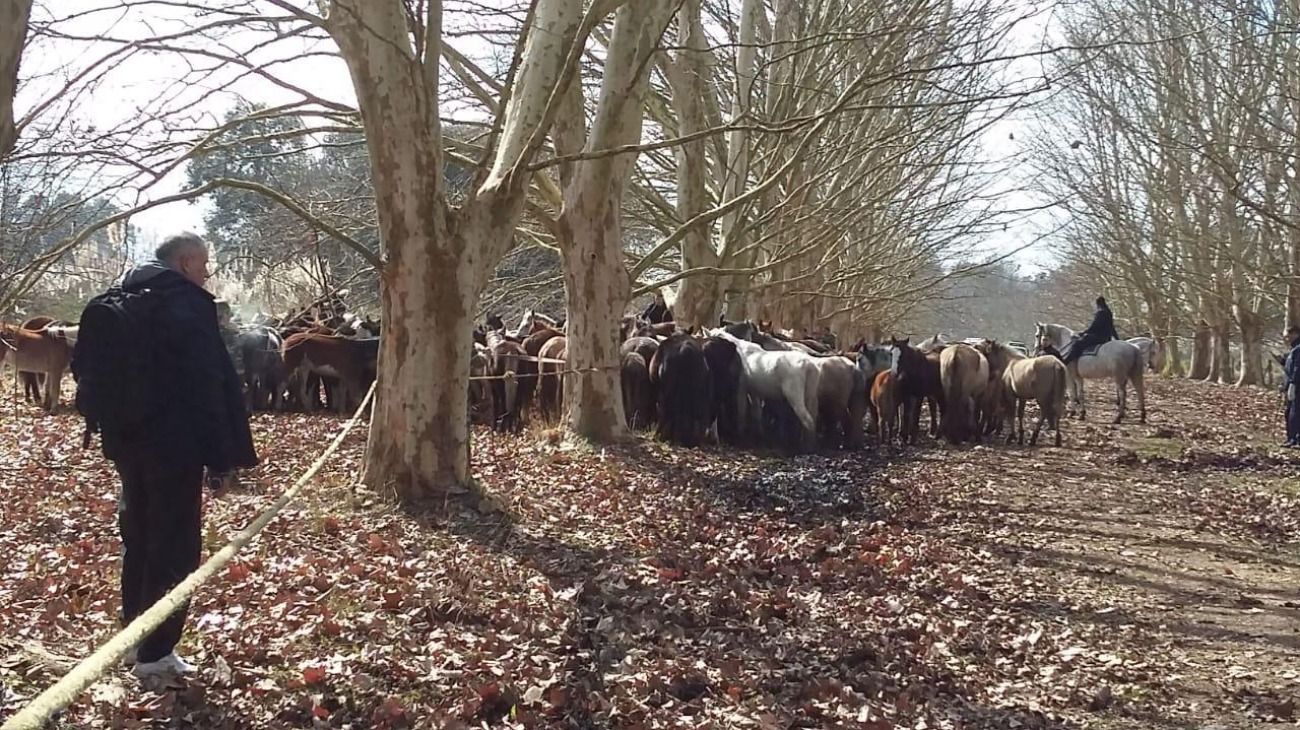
(931, 343)
(1122, 361)
(779, 374)
(1152, 352)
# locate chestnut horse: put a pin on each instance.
(884, 402)
(353, 362)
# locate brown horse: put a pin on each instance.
(44, 352)
(530, 370)
(507, 357)
(353, 362)
(638, 393)
(965, 376)
(550, 395)
(31, 382)
(884, 400)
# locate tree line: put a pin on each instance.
(813, 164)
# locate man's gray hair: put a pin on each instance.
(173, 246)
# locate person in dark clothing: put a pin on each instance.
(1101, 331)
(1290, 384)
(657, 312)
(200, 423)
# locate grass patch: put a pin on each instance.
(1154, 447)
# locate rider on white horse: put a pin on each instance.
(1101, 331)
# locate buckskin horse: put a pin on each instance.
(965, 376)
(31, 382)
(1041, 379)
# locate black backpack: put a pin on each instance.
(113, 364)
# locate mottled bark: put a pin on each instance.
(596, 280)
(13, 34)
(698, 297)
(436, 259)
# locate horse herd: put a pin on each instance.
(743, 383)
(746, 384)
(320, 356)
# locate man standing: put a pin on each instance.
(1101, 331)
(1290, 380)
(657, 312)
(160, 325)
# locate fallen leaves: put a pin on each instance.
(656, 587)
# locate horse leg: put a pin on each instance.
(1018, 418)
(1080, 397)
(1038, 427)
(1139, 384)
(1121, 397)
(53, 384)
(306, 396)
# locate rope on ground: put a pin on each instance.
(64, 692)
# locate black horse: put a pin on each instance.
(680, 374)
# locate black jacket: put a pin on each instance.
(202, 417)
(657, 313)
(1102, 328)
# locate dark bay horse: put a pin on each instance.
(918, 380)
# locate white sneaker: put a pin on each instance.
(169, 666)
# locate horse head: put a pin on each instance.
(494, 322)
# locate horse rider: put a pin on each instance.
(1101, 331)
(1290, 380)
(658, 311)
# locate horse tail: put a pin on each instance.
(1140, 364)
(811, 394)
(950, 379)
(1057, 394)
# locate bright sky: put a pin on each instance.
(136, 84)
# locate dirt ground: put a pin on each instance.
(1141, 576)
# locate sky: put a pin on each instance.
(136, 83)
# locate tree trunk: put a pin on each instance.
(698, 297)
(1252, 346)
(1221, 364)
(436, 259)
(13, 34)
(1173, 357)
(419, 427)
(1293, 282)
(1201, 349)
(597, 289)
(596, 281)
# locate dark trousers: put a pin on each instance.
(1074, 350)
(160, 515)
(1293, 422)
